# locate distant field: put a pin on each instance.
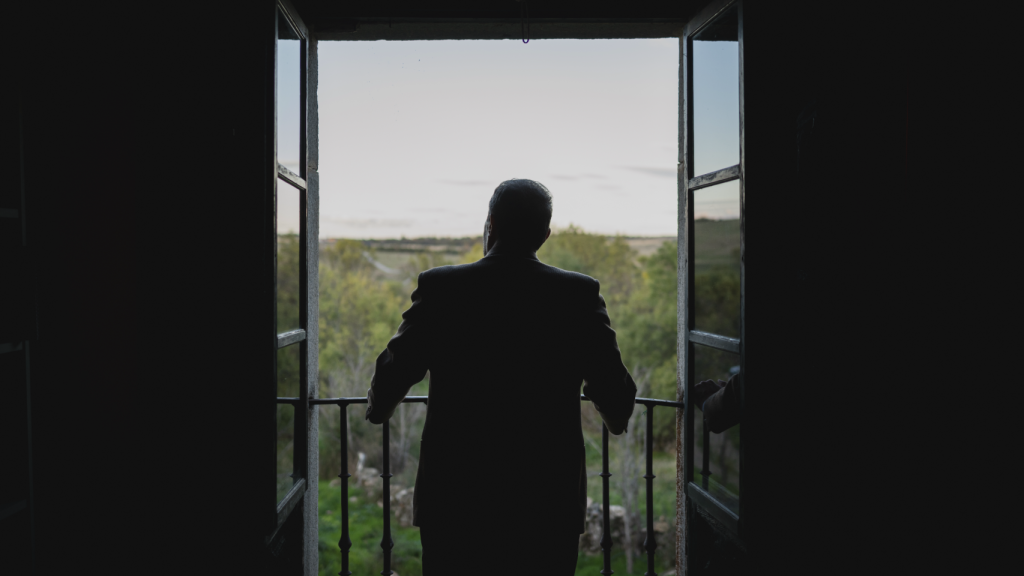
(395, 256)
(396, 253)
(648, 246)
(716, 244)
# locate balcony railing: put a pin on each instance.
(386, 544)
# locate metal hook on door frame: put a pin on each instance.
(524, 21)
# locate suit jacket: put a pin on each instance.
(507, 340)
(722, 409)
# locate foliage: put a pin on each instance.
(359, 312)
(360, 308)
(611, 262)
(475, 253)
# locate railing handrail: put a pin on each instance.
(423, 399)
(345, 543)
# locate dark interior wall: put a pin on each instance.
(16, 323)
(831, 243)
(85, 363)
(146, 174)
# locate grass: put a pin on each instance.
(592, 565)
(366, 525)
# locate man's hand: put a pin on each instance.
(705, 390)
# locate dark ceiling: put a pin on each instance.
(332, 18)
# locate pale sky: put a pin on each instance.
(415, 136)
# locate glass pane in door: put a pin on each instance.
(716, 90)
(716, 262)
(723, 447)
(289, 105)
(289, 252)
(288, 369)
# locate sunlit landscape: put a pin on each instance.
(414, 136)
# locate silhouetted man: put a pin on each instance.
(501, 484)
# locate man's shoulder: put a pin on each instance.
(576, 280)
(535, 269)
(445, 273)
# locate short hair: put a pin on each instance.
(523, 207)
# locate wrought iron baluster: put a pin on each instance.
(386, 543)
(649, 543)
(344, 543)
(606, 531)
(705, 457)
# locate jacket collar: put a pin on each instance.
(498, 252)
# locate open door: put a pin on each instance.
(710, 280)
(293, 242)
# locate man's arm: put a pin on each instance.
(722, 407)
(608, 384)
(402, 364)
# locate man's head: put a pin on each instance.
(520, 215)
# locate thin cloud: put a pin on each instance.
(370, 222)
(576, 177)
(651, 171)
(468, 182)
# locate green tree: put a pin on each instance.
(473, 254)
(611, 262)
(647, 334)
(359, 313)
